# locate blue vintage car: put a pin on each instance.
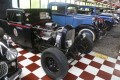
(67, 14)
(96, 11)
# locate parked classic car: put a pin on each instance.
(33, 29)
(9, 69)
(118, 14)
(65, 13)
(114, 16)
(96, 11)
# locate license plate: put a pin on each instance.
(101, 56)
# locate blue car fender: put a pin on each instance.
(107, 19)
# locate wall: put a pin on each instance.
(4, 4)
(36, 3)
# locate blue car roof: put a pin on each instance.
(88, 6)
(60, 3)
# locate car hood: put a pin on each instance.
(108, 18)
(106, 14)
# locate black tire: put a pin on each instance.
(56, 57)
(86, 45)
(109, 25)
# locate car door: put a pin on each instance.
(58, 14)
(71, 12)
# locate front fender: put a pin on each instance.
(107, 19)
(87, 26)
(93, 28)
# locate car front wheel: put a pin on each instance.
(54, 63)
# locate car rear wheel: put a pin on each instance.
(88, 31)
(54, 63)
(86, 44)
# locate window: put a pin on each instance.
(81, 9)
(14, 3)
(44, 3)
(44, 15)
(71, 10)
(62, 0)
(83, 3)
(77, 3)
(87, 9)
(54, 7)
(15, 16)
(58, 0)
(98, 11)
(24, 4)
(35, 3)
(58, 9)
(80, 3)
(52, 0)
(72, 1)
(33, 17)
(68, 1)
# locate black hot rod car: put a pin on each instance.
(33, 29)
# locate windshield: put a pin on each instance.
(28, 15)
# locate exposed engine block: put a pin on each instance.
(48, 32)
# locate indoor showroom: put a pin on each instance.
(59, 39)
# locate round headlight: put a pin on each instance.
(11, 54)
(93, 19)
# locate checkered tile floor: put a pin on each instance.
(86, 67)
